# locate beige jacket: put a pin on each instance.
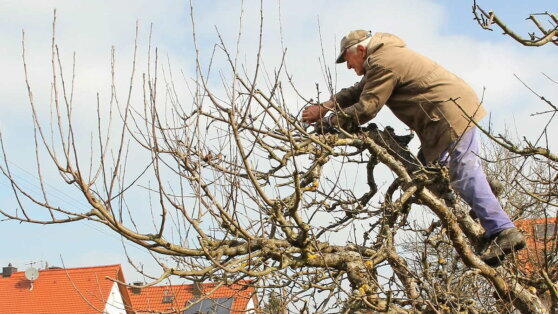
(418, 91)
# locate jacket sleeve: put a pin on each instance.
(348, 96)
(378, 85)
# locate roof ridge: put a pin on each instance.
(240, 283)
(73, 268)
(85, 267)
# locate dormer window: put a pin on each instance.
(545, 231)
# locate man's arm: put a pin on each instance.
(379, 84)
(344, 98)
(350, 95)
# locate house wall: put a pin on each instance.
(250, 307)
(115, 304)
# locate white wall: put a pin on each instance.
(250, 308)
(115, 304)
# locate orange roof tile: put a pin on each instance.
(60, 291)
(150, 299)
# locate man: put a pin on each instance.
(434, 103)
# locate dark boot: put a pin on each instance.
(506, 242)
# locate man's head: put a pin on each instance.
(353, 50)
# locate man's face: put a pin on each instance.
(355, 59)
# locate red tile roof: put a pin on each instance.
(150, 299)
(60, 291)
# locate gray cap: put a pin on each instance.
(351, 39)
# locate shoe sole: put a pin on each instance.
(498, 259)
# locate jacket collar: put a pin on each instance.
(381, 40)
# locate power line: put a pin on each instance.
(79, 204)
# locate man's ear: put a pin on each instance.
(361, 48)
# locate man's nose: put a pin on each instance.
(348, 65)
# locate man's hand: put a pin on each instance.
(313, 113)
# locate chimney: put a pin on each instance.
(136, 290)
(8, 271)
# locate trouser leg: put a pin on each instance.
(469, 181)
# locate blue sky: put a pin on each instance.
(443, 30)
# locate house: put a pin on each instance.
(540, 255)
(94, 290)
(71, 290)
(199, 298)
(541, 250)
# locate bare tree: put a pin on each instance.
(453, 286)
(548, 29)
(236, 190)
(523, 174)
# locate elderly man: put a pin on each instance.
(433, 102)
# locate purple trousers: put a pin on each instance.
(469, 181)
